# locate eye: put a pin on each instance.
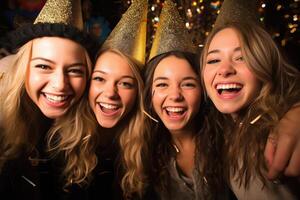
(161, 85)
(76, 71)
(212, 61)
(98, 78)
(42, 66)
(126, 85)
(188, 85)
(240, 58)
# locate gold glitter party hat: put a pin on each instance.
(171, 33)
(67, 12)
(129, 35)
(237, 11)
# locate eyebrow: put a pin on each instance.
(47, 60)
(103, 72)
(217, 50)
(185, 78)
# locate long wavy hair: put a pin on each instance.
(131, 134)
(22, 122)
(160, 143)
(280, 89)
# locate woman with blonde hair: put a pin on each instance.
(43, 92)
(116, 106)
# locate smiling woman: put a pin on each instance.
(56, 79)
(114, 88)
(42, 107)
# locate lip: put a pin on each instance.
(106, 111)
(57, 101)
(228, 95)
(175, 117)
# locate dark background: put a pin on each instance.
(14, 13)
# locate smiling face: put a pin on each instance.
(228, 81)
(57, 75)
(176, 94)
(113, 89)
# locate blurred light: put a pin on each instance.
(128, 2)
(200, 1)
(198, 10)
(286, 16)
(201, 45)
(194, 3)
(189, 13)
(277, 34)
(153, 8)
(188, 25)
(293, 30)
(156, 19)
(263, 5)
(279, 7)
(291, 25)
(261, 19)
(295, 18)
(283, 42)
(202, 7)
(206, 33)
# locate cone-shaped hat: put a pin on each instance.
(171, 33)
(129, 35)
(67, 12)
(58, 18)
(238, 11)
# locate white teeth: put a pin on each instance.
(55, 98)
(108, 106)
(228, 86)
(173, 109)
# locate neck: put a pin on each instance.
(183, 140)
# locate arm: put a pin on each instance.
(282, 150)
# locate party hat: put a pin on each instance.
(129, 35)
(171, 33)
(67, 12)
(237, 11)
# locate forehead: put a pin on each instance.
(55, 47)
(172, 67)
(225, 38)
(112, 63)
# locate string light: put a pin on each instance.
(200, 16)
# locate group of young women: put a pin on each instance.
(173, 128)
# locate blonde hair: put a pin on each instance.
(13, 102)
(73, 135)
(21, 119)
(279, 91)
(131, 137)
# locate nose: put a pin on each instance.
(110, 91)
(226, 69)
(60, 81)
(175, 93)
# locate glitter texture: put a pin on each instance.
(171, 34)
(67, 12)
(237, 11)
(129, 35)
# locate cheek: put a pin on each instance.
(158, 99)
(34, 81)
(195, 102)
(78, 85)
(129, 99)
(94, 91)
